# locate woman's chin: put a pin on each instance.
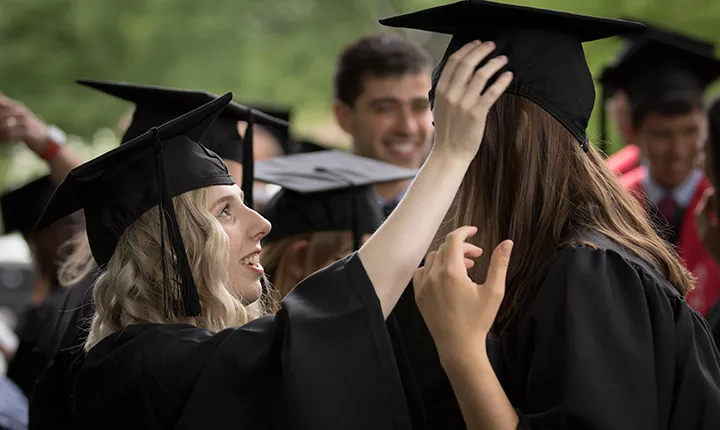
(250, 293)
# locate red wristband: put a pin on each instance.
(50, 150)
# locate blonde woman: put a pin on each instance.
(178, 340)
(62, 345)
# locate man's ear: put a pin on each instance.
(343, 116)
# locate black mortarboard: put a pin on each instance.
(22, 207)
(325, 191)
(678, 40)
(157, 105)
(116, 188)
(660, 64)
(544, 48)
(281, 133)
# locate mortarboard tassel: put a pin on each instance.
(186, 300)
(248, 176)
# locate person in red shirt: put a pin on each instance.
(665, 76)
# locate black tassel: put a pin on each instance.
(185, 301)
(248, 161)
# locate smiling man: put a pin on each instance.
(381, 100)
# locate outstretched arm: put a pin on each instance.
(393, 253)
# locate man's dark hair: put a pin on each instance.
(678, 103)
(376, 56)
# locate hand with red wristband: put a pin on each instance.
(18, 123)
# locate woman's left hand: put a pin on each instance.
(456, 309)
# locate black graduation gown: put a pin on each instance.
(605, 343)
(61, 349)
(324, 361)
(714, 322)
(35, 323)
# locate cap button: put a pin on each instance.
(586, 144)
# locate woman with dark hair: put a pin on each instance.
(591, 330)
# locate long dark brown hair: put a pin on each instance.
(532, 182)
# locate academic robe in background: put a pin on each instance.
(62, 352)
(324, 361)
(682, 233)
(603, 342)
(34, 324)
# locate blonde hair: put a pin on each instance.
(131, 290)
(78, 262)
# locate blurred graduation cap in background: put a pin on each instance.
(156, 105)
(328, 190)
(660, 64)
(116, 188)
(281, 133)
(544, 48)
(22, 207)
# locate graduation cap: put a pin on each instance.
(22, 207)
(612, 80)
(544, 49)
(325, 191)
(116, 188)
(661, 65)
(280, 133)
(158, 105)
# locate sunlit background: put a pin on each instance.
(271, 51)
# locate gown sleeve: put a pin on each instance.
(605, 345)
(323, 362)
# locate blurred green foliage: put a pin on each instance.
(279, 51)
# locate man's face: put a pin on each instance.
(671, 145)
(391, 120)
